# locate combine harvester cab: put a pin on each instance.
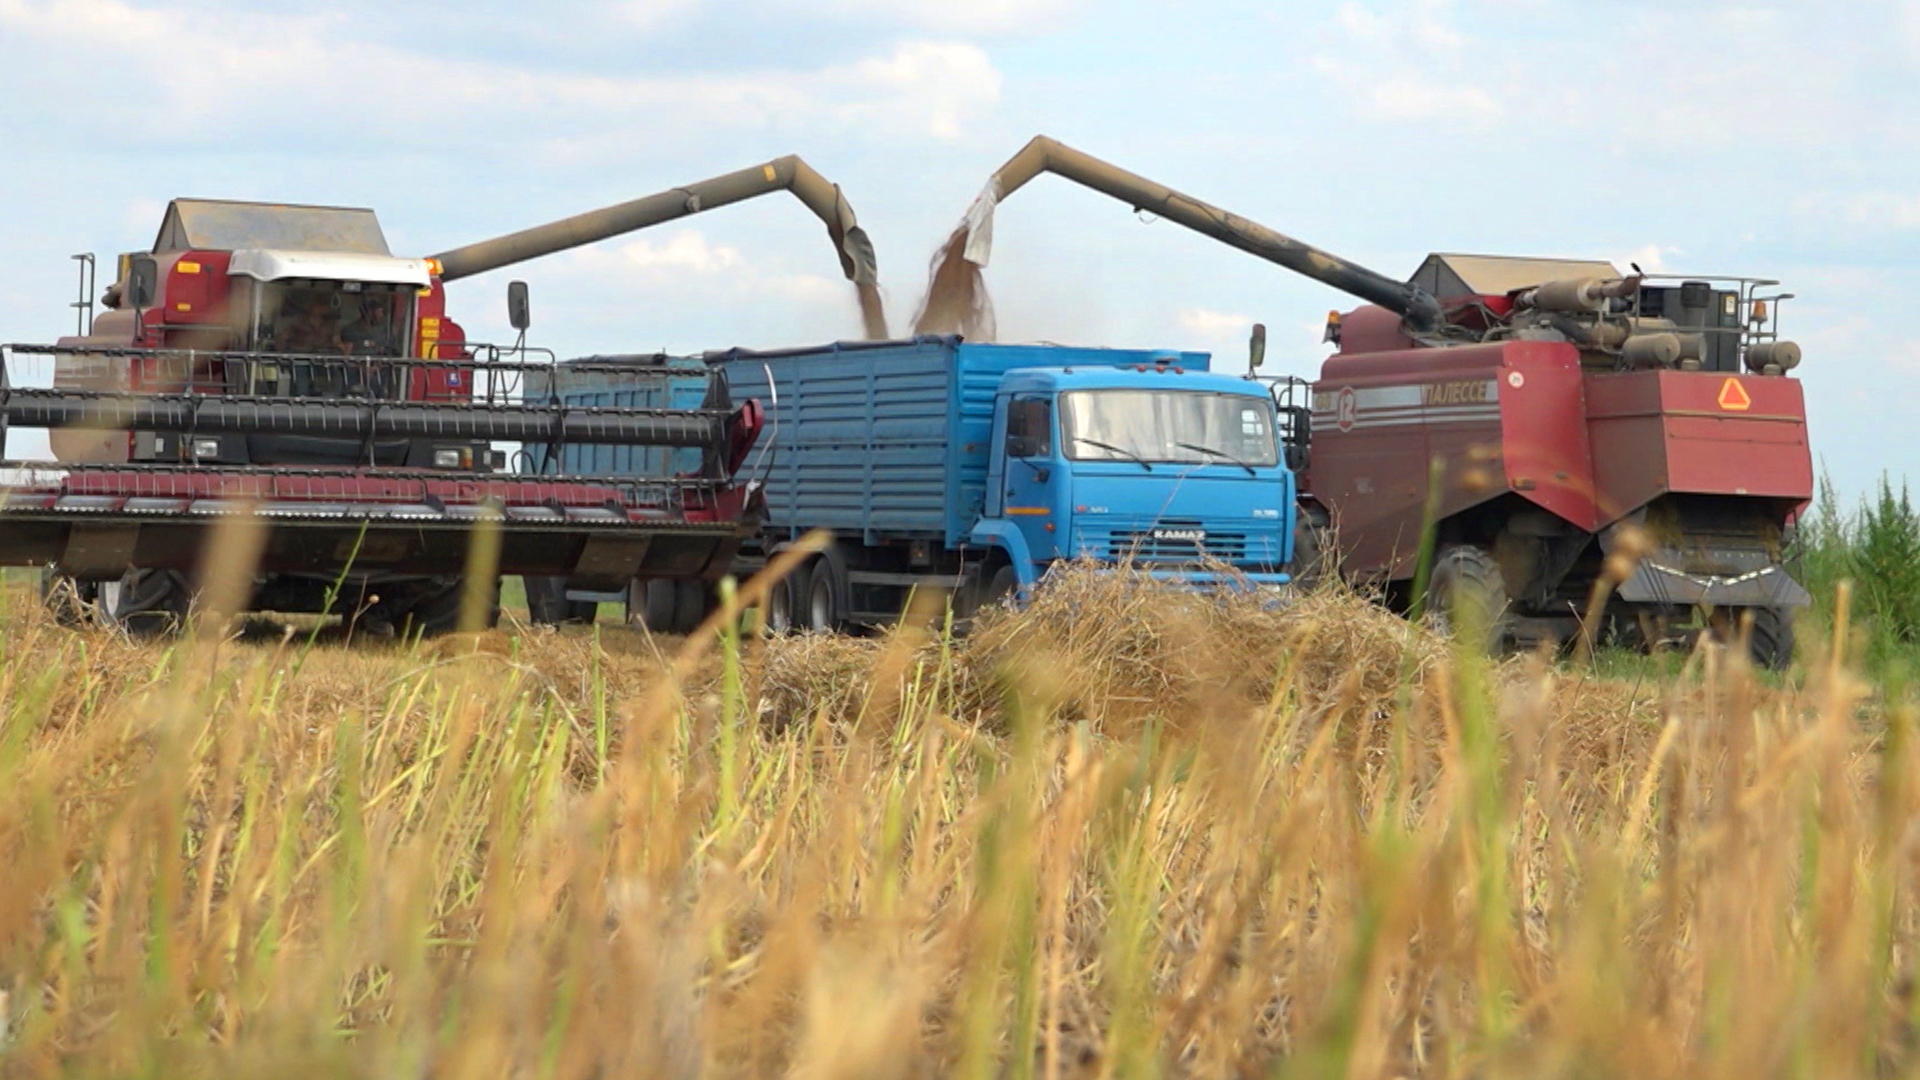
(1558, 425)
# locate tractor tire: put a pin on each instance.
(432, 608)
(547, 603)
(1466, 589)
(653, 602)
(1769, 643)
(1312, 554)
(70, 601)
(147, 603)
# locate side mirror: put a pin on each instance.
(519, 315)
(1257, 347)
(143, 283)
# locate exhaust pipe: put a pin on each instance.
(1421, 310)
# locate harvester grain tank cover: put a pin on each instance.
(1451, 275)
(223, 225)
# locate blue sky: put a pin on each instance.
(1780, 140)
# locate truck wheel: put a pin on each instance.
(69, 600)
(823, 614)
(147, 603)
(1002, 588)
(779, 605)
(1466, 589)
(547, 603)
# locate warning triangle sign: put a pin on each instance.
(1733, 396)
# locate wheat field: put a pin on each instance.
(1127, 832)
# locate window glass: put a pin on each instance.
(1167, 425)
(1028, 422)
(334, 318)
(320, 325)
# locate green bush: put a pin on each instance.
(1876, 546)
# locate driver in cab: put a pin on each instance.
(314, 327)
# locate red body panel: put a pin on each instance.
(1546, 456)
(1659, 431)
(1380, 421)
(439, 338)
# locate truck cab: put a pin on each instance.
(1178, 472)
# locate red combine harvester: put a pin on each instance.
(279, 361)
(1544, 415)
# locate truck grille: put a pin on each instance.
(1142, 545)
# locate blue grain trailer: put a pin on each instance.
(971, 468)
(938, 463)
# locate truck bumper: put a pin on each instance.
(1212, 580)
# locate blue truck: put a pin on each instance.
(937, 463)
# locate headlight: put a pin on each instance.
(203, 448)
(446, 459)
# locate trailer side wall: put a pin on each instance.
(891, 440)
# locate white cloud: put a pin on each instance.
(1651, 257)
(934, 87)
(1414, 65)
(1223, 333)
(685, 263)
(1210, 323)
(1615, 82)
(1907, 16)
(256, 75)
(684, 251)
(956, 16)
(647, 15)
(1414, 99)
(1883, 209)
(1906, 357)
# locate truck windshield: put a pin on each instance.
(1153, 425)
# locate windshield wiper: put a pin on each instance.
(1217, 453)
(1121, 450)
